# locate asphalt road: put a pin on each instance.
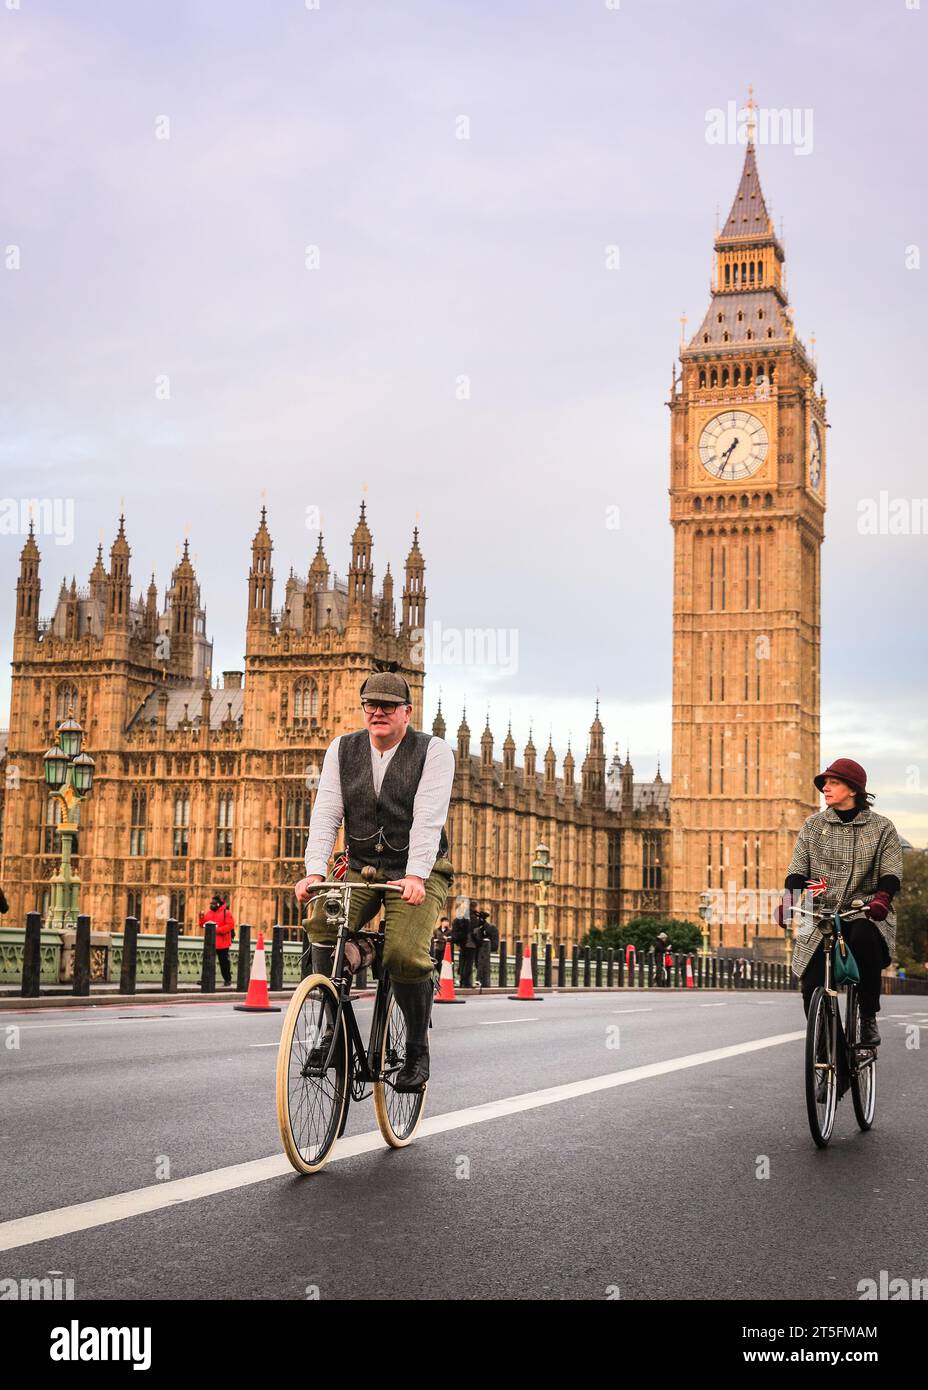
(649, 1189)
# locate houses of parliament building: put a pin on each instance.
(202, 785)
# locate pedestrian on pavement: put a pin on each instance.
(441, 938)
(845, 852)
(225, 930)
(663, 959)
(467, 937)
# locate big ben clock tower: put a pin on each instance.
(747, 489)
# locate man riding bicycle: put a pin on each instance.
(845, 852)
(392, 786)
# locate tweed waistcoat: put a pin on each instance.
(852, 857)
(377, 828)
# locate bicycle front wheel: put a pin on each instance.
(311, 1097)
(398, 1112)
(863, 1067)
(821, 1066)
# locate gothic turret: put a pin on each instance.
(261, 579)
(361, 571)
(593, 772)
(28, 587)
(414, 589)
(119, 590)
(486, 748)
(463, 742)
(387, 607)
(528, 762)
(439, 727)
(509, 755)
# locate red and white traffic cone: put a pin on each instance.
(257, 1000)
(690, 981)
(526, 990)
(446, 993)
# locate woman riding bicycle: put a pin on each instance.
(845, 852)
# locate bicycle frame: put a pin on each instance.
(338, 908)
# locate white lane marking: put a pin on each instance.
(491, 1022)
(270, 1044)
(632, 1011)
(723, 1005)
(105, 1022)
(50, 1225)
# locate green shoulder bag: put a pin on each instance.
(846, 971)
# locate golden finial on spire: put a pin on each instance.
(751, 117)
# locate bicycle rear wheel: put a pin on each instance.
(821, 1066)
(398, 1112)
(863, 1066)
(310, 1100)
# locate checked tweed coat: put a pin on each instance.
(852, 858)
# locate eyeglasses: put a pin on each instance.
(388, 706)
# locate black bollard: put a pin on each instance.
(676, 969)
(651, 968)
(243, 973)
(306, 963)
(548, 958)
(575, 967)
(503, 967)
(169, 972)
(699, 972)
(130, 952)
(534, 963)
(32, 956)
(586, 967)
(518, 963)
(621, 968)
(610, 968)
(599, 967)
(277, 958)
(208, 966)
(561, 965)
(82, 957)
(641, 974)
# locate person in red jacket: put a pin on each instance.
(225, 930)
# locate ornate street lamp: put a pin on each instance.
(542, 873)
(69, 778)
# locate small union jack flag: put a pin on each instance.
(341, 865)
(816, 886)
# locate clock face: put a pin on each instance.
(815, 456)
(733, 445)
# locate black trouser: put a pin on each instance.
(869, 950)
(466, 957)
(222, 955)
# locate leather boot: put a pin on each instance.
(322, 958)
(869, 1033)
(415, 1003)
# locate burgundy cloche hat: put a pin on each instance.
(847, 771)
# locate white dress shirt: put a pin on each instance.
(430, 807)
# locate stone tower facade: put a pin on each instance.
(747, 488)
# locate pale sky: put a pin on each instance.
(441, 259)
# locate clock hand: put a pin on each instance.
(727, 455)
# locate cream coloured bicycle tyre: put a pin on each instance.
(398, 1112)
(290, 1056)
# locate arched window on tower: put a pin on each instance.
(772, 371)
(728, 277)
(702, 376)
(747, 372)
(65, 701)
(305, 702)
(751, 272)
(714, 377)
(736, 377)
(744, 272)
(760, 274)
(724, 376)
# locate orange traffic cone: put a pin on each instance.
(446, 993)
(257, 1000)
(690, 982)
(526, 988)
